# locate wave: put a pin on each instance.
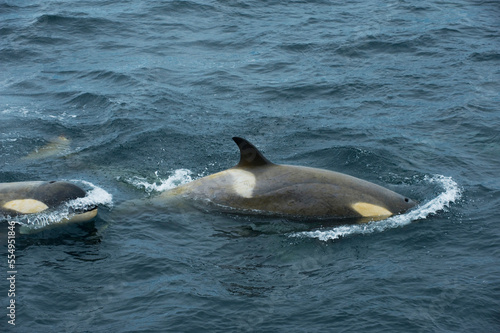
(37, 114)
(73, 24)
(178, 177)
(452, 193)
(96, 196)
(87, 99)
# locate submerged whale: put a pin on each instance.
(34, 197)
(59, 146)
(257, 186)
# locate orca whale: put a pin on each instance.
(33, 197)
(257, 186)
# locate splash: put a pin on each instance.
(178, 177)
(451, 194)
(96, 196)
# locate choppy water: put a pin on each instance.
(148, 95)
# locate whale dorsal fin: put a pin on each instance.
(250, 156)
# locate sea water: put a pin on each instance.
(131, 98)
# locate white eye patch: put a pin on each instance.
(369, 210)
(26, 206)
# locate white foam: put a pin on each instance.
(35, 113)
(452, 193)
(178, 177)
(95, 196)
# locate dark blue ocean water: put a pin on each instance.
(147, 95)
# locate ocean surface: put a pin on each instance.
(131, 98)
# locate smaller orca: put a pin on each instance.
(59, 146)
(34, 197)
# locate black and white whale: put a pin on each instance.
(257, 186)
(33, 197)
